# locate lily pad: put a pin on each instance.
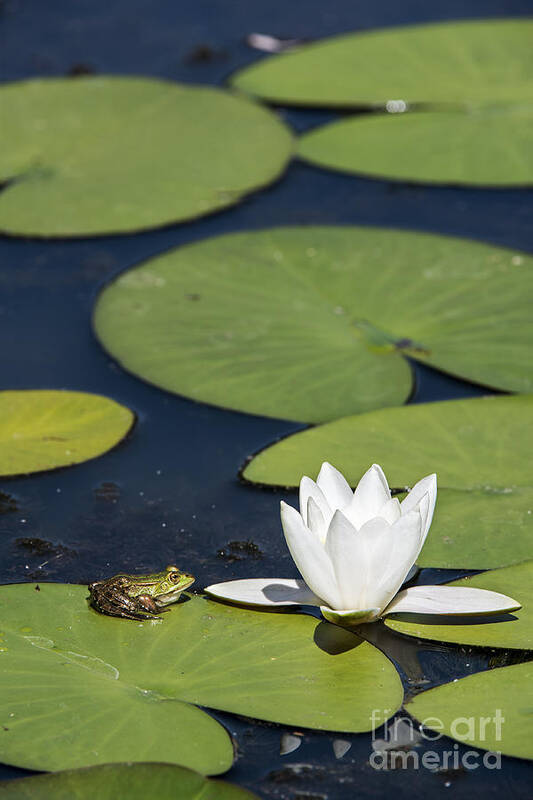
(116, 154)
(473, 443)
(112, 781)
(484, 147)
(79, 686)
(513, 630)
(496, 696)
(479, 447)
(479, 62)
(312, 323)
(46, 429)
(480, 528)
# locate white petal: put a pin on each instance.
(334, 486)
(373, 535)
(392, 558)
(370, 496)
(400, 547)
(427, 486)
(461, 600)
(349, 618)
(309, 556)
(391, 511)
(308, 488)
(315, 520)
(347, 552)
(425, 510)
(265, 592)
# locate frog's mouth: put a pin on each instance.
(172, 596)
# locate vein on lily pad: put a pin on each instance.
(355, 550)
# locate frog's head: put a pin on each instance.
(171, 584)
(165, 587)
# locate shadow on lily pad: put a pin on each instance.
(443, 619)
(335, 640)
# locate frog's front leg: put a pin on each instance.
(149, 604)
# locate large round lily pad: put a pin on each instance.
(484, 147)
(312, 323)
(46, 429)
(116, 154)
(489, 710)
(114, 781)
(513, 630)
(474, 63)
(480, 449)
(80, 686)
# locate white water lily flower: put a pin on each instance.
(354, 551)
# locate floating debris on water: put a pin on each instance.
(107, 491)
(271, 44)
(341, 747)
(7, 503)
(289, 743)
(238, 551)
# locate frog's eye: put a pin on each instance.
(174, 576)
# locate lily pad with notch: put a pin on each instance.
(313, 323)
(108, 154)
(479, 447)
(79, 686)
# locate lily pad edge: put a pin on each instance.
(122, 441)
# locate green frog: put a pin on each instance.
(139, 596)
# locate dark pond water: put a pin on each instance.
(170, 492)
